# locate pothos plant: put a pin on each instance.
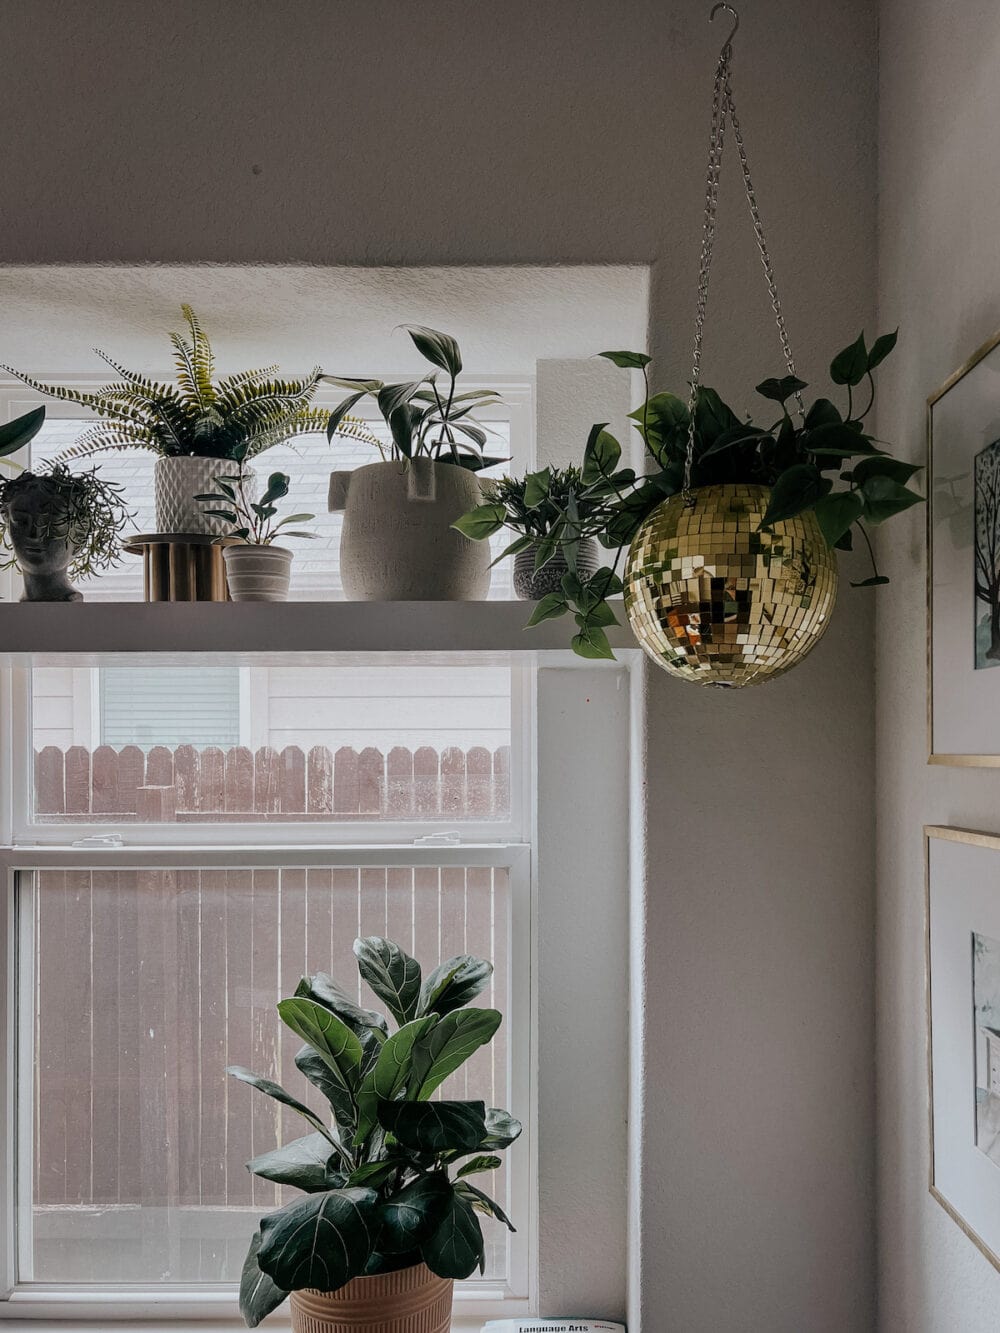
(386, 1176)
(253, 522)
(793, 454)
(425, 418)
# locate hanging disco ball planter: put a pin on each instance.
(714, 599)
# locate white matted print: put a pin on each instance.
(963, 990)
(963, 516)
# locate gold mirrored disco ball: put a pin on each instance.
(714, 600)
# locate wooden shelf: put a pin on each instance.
(83, 633)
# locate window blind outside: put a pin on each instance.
(148, 706)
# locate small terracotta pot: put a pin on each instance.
(258, 573)
(411, 1300)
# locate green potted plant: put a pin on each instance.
(534, 507)
(59, 526)
(768, 487)
(397, 542)
(192, 425)
(388, 1215)
(257, 570)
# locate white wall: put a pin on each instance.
(520, 132)
(940, 279)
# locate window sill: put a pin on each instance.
(262, 633)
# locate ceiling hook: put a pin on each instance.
(715, 9)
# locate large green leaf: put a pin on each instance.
(392, 974)
(440, 349)
(21, 431)
(501, 1128)
(881, 348)
(536, 487)
(328, 1035)
(391, 1073)
(795, 490)
(601, 455)
(838, 440)
(259, 1295)
(712, 417)
(321, 1240)
(434, 1127)
(547, 608)
(369, 1027)
(851, 365)
(482, 522)
(485, 1162)
(483, 1203)
(885, 467)
(306, 1163)
(836, 513)
(454, 984)
(332, 1086)
(278, 1093)
(627, 360)
(885, 497)
(781, 390)
(456, 1248)
(441, 1050)
(413, 1215)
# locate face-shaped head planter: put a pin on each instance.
(58, 525)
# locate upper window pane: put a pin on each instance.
(259, 744)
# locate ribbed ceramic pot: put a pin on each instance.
(715, 599)
(531, 584)
(176, 481)
(411, 1300)
(258, 573)
(397, 542)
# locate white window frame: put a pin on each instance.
(474, 1301)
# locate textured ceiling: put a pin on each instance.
(342, 318)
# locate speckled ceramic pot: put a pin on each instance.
(411, 1300)
(530, 584)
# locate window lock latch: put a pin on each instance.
(438, 840)
(100, 841)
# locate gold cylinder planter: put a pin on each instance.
(713, 599)
(411, 1300)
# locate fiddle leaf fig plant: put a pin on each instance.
(384, 1173)
(821, 458)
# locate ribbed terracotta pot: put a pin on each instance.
(258, 573)
(176, 481)
(411, 1300)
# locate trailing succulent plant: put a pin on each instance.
(255, 523)
(794, 459)
(236, 417)
(386, 1179)
(425, 419)
(81, 507)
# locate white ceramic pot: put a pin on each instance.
(176, 481)
(258, 573)
(398, 544)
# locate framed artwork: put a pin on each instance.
(963, 1029)
(963, 563)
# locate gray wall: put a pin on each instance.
(521, 131)
(940, 279)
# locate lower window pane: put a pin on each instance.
(146, 985)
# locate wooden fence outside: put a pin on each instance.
(188, 785)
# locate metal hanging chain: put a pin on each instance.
(723, 107)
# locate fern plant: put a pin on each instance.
(236, 417)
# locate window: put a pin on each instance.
(144, 970)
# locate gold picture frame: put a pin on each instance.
(948, 755)
(990, 842)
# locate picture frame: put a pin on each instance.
(963, 563)
(962, 942)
